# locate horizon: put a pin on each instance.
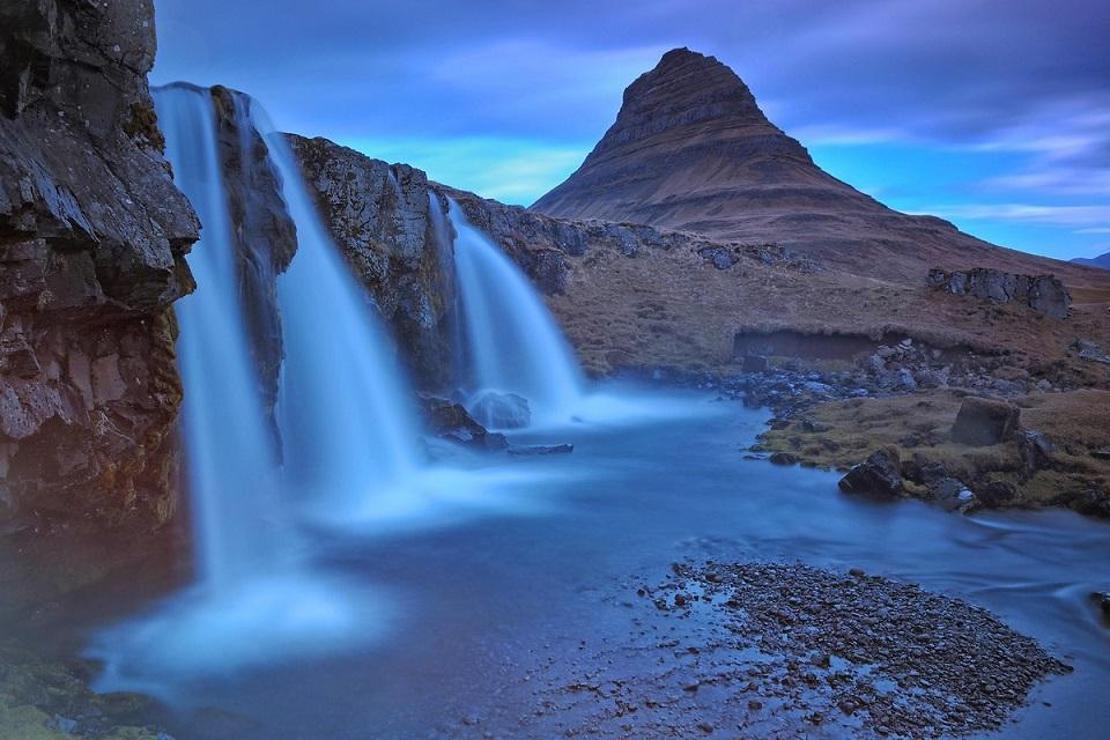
(507, 105)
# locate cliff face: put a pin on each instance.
(380, 216)
(691, 150)
(264, 235)
(93, 235)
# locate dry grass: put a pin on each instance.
(1077, 423)
(674, 308)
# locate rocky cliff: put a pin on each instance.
(691, 150)
(93, 235)
(264, 235)
(381, 217)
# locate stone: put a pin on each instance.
(985, 421)
(879, 475)
(755, 364)
(719, 257)
(534, 450)
(1088, 350)
(501, 410)
(1102, 601)
(1036, 450)
(1043, 293)
(783, 458)
(451, 421)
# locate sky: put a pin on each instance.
(994, 114)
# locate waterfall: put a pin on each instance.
(513, 343)
(350, 438)
(348, 443)
(228, 446)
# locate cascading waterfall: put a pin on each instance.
(227, 443)
(513, 343)
(350, 438)
(348, 443)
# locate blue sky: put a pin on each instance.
(994, 114)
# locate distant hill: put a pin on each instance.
(1102, 261)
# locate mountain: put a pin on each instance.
(692, 151)
(1103, 261)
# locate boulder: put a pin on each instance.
(985, 421)
(501, 410)
(879, 475)
(1035, 449)
(451, 421)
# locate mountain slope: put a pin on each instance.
(691, 150)
(1103, 261)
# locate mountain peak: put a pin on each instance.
(684, 88)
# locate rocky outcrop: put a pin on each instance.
(451, 421)
(93, 235)
(1043, 293)
(263, 233)
(383, 218)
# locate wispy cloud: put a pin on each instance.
(1084, 217)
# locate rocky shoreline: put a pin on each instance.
(756, 649)
(904, 399)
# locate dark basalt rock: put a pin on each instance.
(1043, 293)
(531, 450)
(264, 235)
(384, 219)
(451, 421)
(93, 236)
(985, 421)
(879, 475)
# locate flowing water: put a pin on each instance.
(493, 607)
(348, 439)
(513, 343)
(350, 436)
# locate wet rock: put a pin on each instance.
(1101, 600)
(451, 421)
(879, 475)
(534, 450)
(1035, 449)
(93, 237)
(390, 224)
(985, 421)
(783, 458)
(501, 410)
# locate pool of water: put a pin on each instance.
(463, 610)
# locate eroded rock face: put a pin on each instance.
(93, 236)
(381, 218)
(1043, 293)
(264, 235)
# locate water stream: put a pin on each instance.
(513, 343)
